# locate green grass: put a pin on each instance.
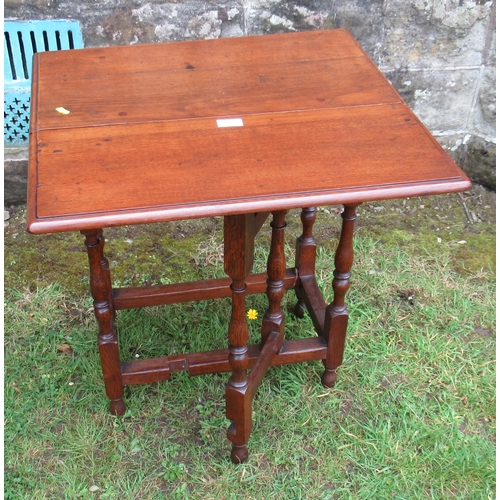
(412, 415)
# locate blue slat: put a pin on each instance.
(63, 37)
(40, 45)
(52, 40)
(28, 49)
(18, 63)
(7, 71)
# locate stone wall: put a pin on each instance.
(439, 54)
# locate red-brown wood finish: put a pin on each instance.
(175, 293)
(274, 317)
(321, 125)
(336, 314)
(139, 140)
(305, 256)
(100, 287)
(238, 261)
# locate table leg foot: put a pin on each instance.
(239, 413)
(239, 454)
(329, 378)
(117, 407)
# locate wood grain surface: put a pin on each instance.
(141, 143)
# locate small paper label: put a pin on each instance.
(230, 122)
(63, 111)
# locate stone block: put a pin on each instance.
(278, 16)
(191, 20)
(435, 33)
(489, 53)
(484, 114)
(362, 18)
(480, 162)
(475, 155)
(441, 99)
(15, 181)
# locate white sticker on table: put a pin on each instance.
(229, 122)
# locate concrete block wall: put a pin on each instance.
(439, 54)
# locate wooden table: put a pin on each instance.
(236, 128)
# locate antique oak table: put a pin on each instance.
(238, 128)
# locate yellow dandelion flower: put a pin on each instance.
(252, 314)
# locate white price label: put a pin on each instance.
(229, 122)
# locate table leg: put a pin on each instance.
(105, 267)
(238, 261)
(305, 255)
(274, 317)
(336, 313)
(100, 287)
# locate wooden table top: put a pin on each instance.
(138, 134)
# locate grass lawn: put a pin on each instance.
(412, 415)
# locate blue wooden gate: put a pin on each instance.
(21, 40)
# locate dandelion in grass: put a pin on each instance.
(252, 314)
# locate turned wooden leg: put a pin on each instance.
(238, 395)
(305, 256)
(336, 313)
(238, 259)
(274, 317)
(105, 268)
(100, 287)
